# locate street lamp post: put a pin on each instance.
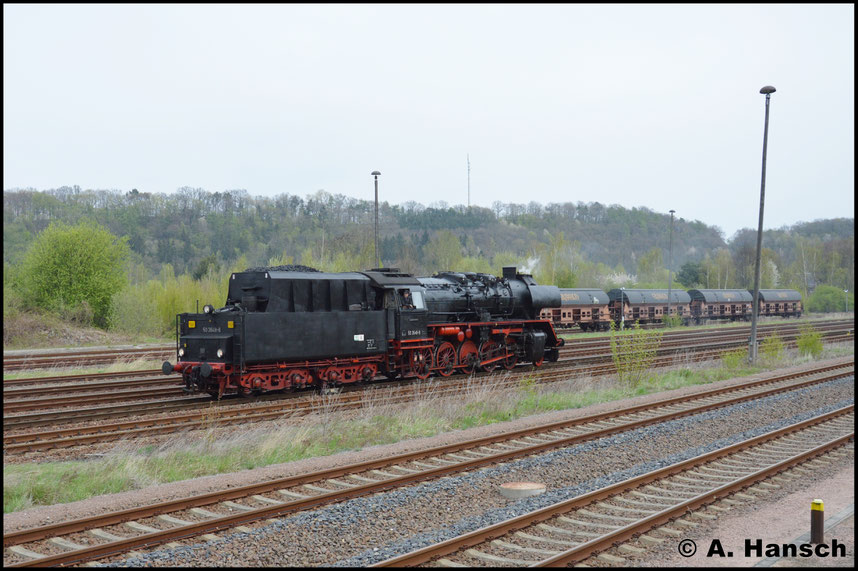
(622, 308)
(670, 266)
(846, 305)
(377, 260)
(755, 308)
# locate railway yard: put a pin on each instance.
(620, 482)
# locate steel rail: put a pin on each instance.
(497, 530)
(33, 534)
(16, 443)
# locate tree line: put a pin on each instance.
(195, 235)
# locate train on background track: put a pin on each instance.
(594, 309)
(292, 327)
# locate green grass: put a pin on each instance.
(216, 451)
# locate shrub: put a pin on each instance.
(671, 320)
(772, 348)
(74, 270)
(734, 359)
(634, 352)
(809, 341)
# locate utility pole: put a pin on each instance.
(670, 265)
(377, 260)
(755, 308)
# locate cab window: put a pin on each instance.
(417, 296)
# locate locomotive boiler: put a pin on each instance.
(283, 329)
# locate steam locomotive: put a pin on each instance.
(285, 330)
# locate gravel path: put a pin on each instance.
(367, 530)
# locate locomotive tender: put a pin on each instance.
(294, 329)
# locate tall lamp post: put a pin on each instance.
(622, 308)
(377, 260)
(846, 306)
(755, 308)
(670, 266)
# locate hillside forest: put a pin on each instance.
(164, 253)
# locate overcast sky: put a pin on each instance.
(638, 105)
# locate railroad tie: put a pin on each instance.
(622, 509)
(448, 563)
(140, 527)
(231, 504)
(204, 512)
(362, 479)
(425, 465)
(565, 519)
(529, 537)
(25, 552)
(265, 500)
(318, 489)
(514, 547)
(608, 517)
(98, 532)
(292, 495)
(388, 475)
(562, 531)
(341, 483)
(496, 559)
(173, 520)
(631, 549)
(461, 458)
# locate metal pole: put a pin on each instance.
(377, 260)
(755, 307)
(846, 305)
(670, 265)
(622, 309)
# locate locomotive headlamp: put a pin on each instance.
(181, 352)
(220, 353)
(208, 308)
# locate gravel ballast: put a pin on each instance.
(367, 530)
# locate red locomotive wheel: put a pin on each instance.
(421, 362)
(445, 359)
(489, 350)
(468, 357)
(511, 358)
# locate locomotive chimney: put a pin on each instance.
(509, 272)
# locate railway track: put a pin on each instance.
(21, 360)
(18, 400)
(74, 542)
(572, 531)
(221, 413)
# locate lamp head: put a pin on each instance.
(375, 173)
(767, 89)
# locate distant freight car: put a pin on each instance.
(586, 308)
(780, 303)
(648, 305)
(720, 305)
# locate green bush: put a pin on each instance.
(74, 271)
(772, 348)
(828, 299)
(735, 359)
(809, 341)
(633, 352)
(671, 320)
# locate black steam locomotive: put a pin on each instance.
(293, 329)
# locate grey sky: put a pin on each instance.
(638, 105)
